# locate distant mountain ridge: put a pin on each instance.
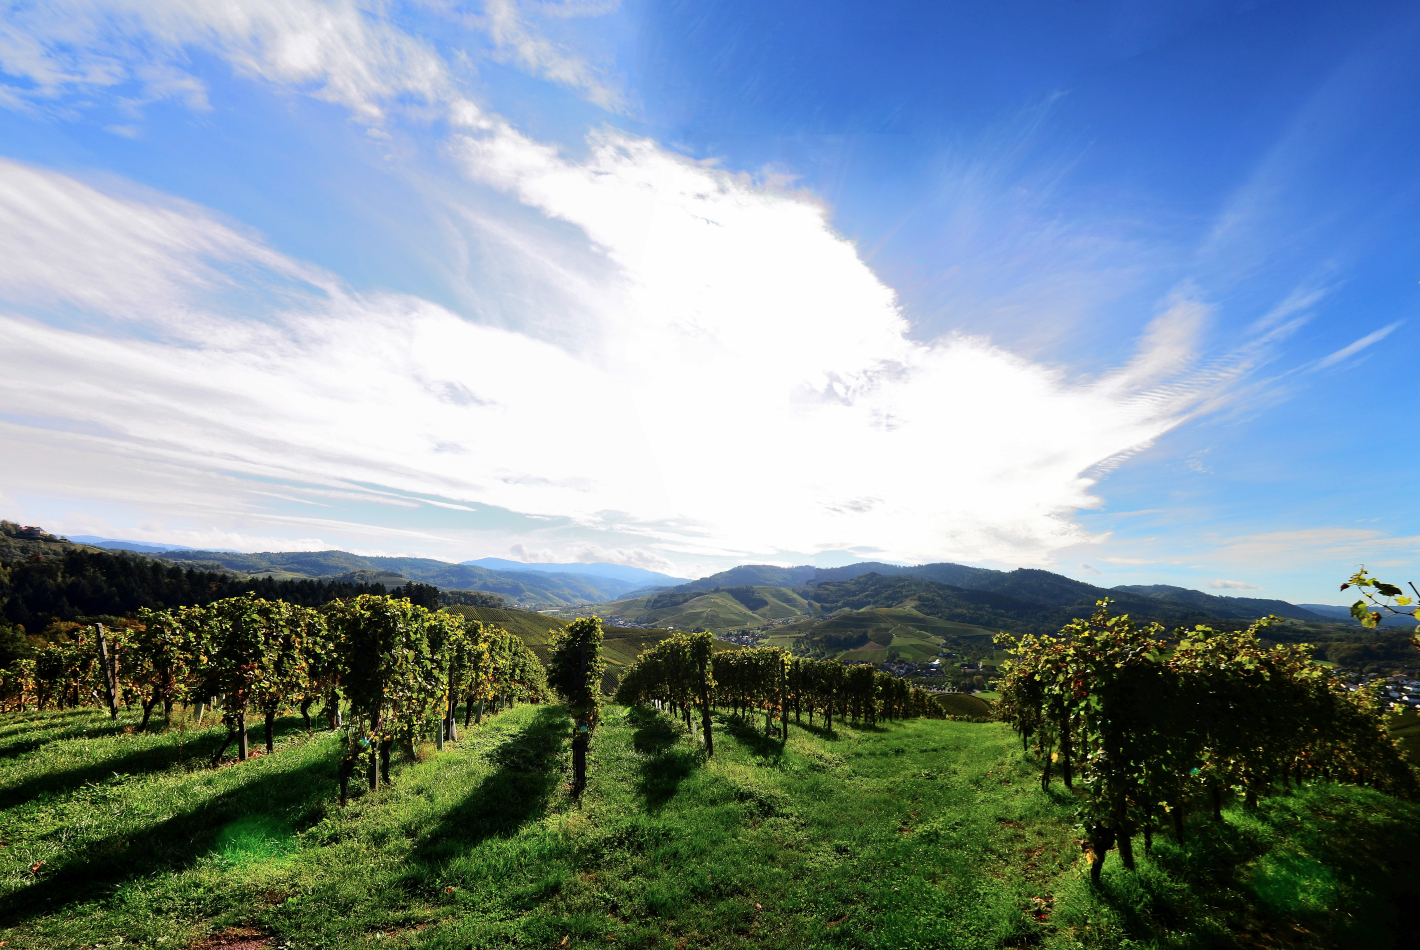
(556, 584)
(1343, 615)
(141, 547)
(1229, 608)
(1026, 585)
(529, 587)
(601, 583)
(622, 572)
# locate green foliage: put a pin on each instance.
(14, 645)
(166, 652)
(676, 672)
(469, 598)
(256, 656)
(1379, 600)
(421, 595)
(1148, 730)
(575, 669)
(387, 672)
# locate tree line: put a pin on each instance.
(1145, 728)
(397, 668)
(77, 584)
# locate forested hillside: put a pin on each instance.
(1229, 608)
(79, 582)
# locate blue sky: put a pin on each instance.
(1127, 291)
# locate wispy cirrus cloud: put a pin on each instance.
(1337, 545)
(1221, 584)
(1351, 349)
(340, 51)
(517, 39)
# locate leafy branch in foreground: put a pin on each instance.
(1380, 600)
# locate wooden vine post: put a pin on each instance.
(108, 663)
(701, 647)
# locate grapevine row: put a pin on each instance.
(398, 668)
(1142, 728)
(682, 671)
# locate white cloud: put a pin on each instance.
(1337, 546)
(1233, 585)
(759, 377)
(1352, 349)
(592, 554)
(145, 258)
(749, 383)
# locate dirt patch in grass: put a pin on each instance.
(234, 938)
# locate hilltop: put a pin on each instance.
(1026, 585)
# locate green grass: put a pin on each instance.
(918, 834)
(1404, 728)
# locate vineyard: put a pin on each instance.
(377, 774)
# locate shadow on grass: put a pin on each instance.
(197, 749)
(24, 738)
(1340, 864)
(95, 872)
(666, 760)
(750, 734)
(821, 731)
(527, 770)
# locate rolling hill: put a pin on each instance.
(527, 587)
(722, 610)
(1018, 588)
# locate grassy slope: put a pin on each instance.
(923, 834)
(718, 611)
(914, 635)
(1405, 729)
